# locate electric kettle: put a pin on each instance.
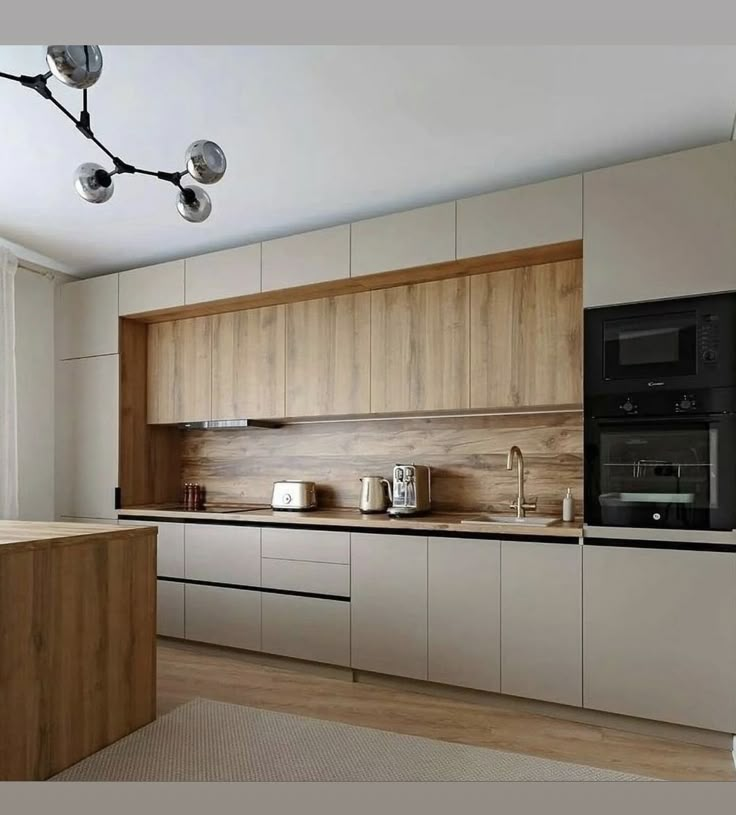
(375, 494)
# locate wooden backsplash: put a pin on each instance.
(467, 456)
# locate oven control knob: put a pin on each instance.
(628, 406)
(686, 403)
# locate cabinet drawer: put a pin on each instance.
(223, 616)
(223, 554)
(302, 575)
(169, 609)
(307, 628)
(170, 547)
(306, 544)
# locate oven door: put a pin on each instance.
(677, 472)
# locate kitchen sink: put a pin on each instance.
(529, 520)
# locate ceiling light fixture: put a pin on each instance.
(80, 66)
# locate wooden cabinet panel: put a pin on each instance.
(419, 347)
(541, 621)
(152, 288)
(525, 336)
(327, 356)
(88, 317)
(248, 364)
(169, 546)
(464, 612)
(223, 554)
(169, 609)
(223, 616)
(389, 604)
(303, 575)
(311, 257)
(180, 370)
(659, 634)
(218, 275)
(306, 544)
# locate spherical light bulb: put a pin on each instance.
(78, 66)
(93, 183)
(194, 204)
(205, 161)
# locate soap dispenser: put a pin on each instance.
(568, 506)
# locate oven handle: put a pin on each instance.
(689, 418)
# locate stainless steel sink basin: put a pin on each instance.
(529, 520)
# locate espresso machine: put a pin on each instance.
(411, 492)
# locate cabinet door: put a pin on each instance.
(328, 356)
(419, 347)
(169, 546)
(169, 609)
(223, 616)
(402, 240)
(525, 336)
(306, 544)
(661, 227)
(659, 634)
(88, 317)
(532, 215)
(464, 612)
(218, 275)
(302, 575)
(311, 257)
(389, 604)
(152, 288)
(248, 364)
(87, 437)
(541, 621)
(223, 554)
(179, 371)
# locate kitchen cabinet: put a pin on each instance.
(525, 336)
(311, 257)
(152, 288)
(659, 634)
(419, 347)
(88, 317)
(661, 227)
(541, 621)
(169, 609)
(218, 275)
(87, 437)
(223, 616)
(223, 554)
(389, 604)
(328, 356)
(169, 546)
(248, 364)
(306, 544)
(179, 370)
(464, 597)
(417, 237)
(302, 575)
(520, 218)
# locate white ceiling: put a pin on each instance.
(322, 135)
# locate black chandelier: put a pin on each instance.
(80, 66)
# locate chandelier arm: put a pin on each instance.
(15, 78)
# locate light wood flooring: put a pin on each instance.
(186, 671)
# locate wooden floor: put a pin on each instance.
(186, 671)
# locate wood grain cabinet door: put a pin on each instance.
(328, 356)
(248, 364)
(525, 336)
(179, 371)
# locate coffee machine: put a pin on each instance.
(411, 492)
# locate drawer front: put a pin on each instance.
(307, 628)
(169, 609)
(306, 544)
(170, 547)
(223, 554)
(223, 616)
(302, 575)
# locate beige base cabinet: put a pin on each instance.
(169, 609)
(223, 554)
(223, 616)
(659, 636)
(541, 621)
(389, 604)
(169, 547)
(464, 605)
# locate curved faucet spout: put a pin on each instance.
(514, 451)
(520, 504)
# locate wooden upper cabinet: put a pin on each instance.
(179, 370)
(312, 257)
(248, 364)
(525, 336)
(218, 275)
(152, 288)
(328, 356)
(88, 317)
(419, 347)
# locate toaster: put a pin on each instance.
(294, 495)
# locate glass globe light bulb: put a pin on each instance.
(205, 161)
(194, 204)
(78, 66)
(93, 183)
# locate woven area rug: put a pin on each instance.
(214, 741)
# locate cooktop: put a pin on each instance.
(219, 508)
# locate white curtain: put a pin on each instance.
(8, 396)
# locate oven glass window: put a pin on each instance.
(650, 348)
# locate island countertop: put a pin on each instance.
(23, 535)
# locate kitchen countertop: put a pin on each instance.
(18, 535)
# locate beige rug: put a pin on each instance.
(214, 741)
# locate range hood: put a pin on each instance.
(227, 424)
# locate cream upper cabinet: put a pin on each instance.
(533, 215)
(218, 275)
(403, 240)
(88, 317)
(152, 288)
(311, 257)
(661, 227)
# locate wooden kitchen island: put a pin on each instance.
(77, 641)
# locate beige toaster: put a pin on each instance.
(294, 495)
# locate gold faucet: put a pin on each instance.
(520, 504)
